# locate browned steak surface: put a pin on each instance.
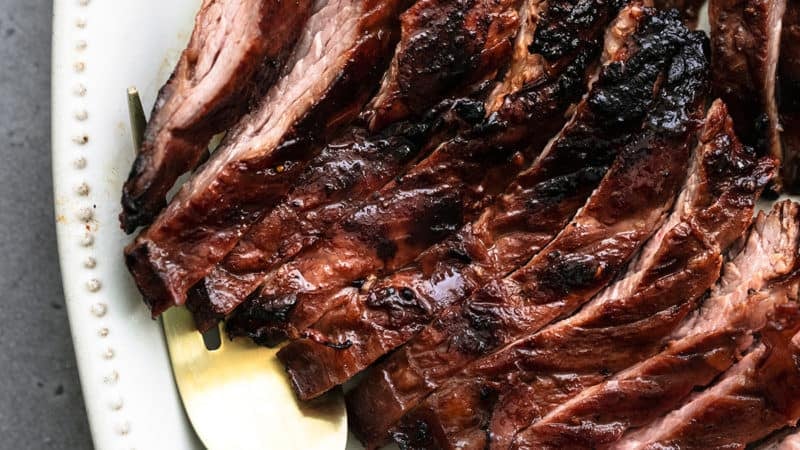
(236, 52)
(745, 44)
(757, 396)
(752, 288)
(347, 171)
(335, 183)
(447, 46)
(342, 52)
(630, 204)
(789, 95)
(426, 205)
(628, 321)
(539, 203)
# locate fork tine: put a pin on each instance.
(238, 397)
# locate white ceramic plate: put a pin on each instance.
(100, 48)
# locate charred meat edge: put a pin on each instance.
(631, 203)
(342, 177)
(521, 222)
(625, 326)
(745, 44)
(789, 95)
(757, 396)
(353, 167)
(334, 68)
(235, 54)
(689, 9)
(421, 208)
(753, 285)
(658, 384)
(629, 320)
(446, 46)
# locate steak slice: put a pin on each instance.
(789, 86)
(351, 168)
(631, 203)
(753, 287)
(334, 68)
(690, 9)
(447, 46)
(334, 184)
(426, 205)
(236, 52)
(745, 44)
(628, 321)
(757, 396)
(537, 205)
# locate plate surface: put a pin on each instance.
(100, 48)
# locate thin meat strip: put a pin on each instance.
(532, 211)
(745, 44)
(433, 200)
(236, 52)
(753, 287)
(352, 167)
(447, 46)
(757, 396)
(631, 203)
(342, 52)
(624, 324)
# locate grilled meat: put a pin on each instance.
(629, 320)
(236, 52)
(757, 396)
(351, 168)
(539, 203)
(447, 46)
(629, 205)
(430, 202)
(341, 177)
(336, 64)
(789, 90)
(753, 287)
(745, 44)
(690, 9)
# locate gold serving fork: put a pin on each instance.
(236, 394)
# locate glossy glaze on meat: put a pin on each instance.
(745, 43)
(757, 396)
(428, 204)
(533, 210)
(628, 321)
(753, 287)
(356, 165)
(235, 54)
(335, 66)
(447, 46)
(630, 204)
(789, 96)
(340, 178)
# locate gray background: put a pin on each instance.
(40, 398)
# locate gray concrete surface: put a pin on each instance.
(40, 398)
